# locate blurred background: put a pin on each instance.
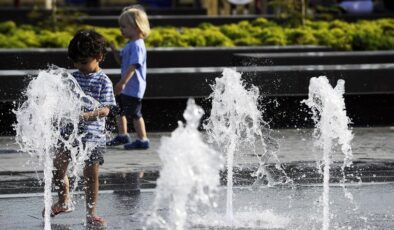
(215, 7)
(277, 44)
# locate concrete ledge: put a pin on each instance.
(163, 114)
(369, 93)
(38, 58)
(313, 58)
(272, 81)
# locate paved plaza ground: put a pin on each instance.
(371, 147)
(373, 150)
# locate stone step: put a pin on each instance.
(271, 80)
(369, 93)
(313, 58)
(38, 58)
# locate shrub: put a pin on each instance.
(338, 24)
(247, 41)
(318, 25)
(301, 36)
(363, 35)
(387, 26)
(193, 37)
(29, 37)
(324, 37)
(233, 31)
(272, 36)
(55, 39)
(112, 35)
(6, 42)
(7, 26)
(165, 37)
(341, 39)
(370, 36)
(262, 22)
(215, 38)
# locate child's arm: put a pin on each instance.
(115, 52)
(95, 114)
(122, 83)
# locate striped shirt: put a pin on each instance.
(99, 86)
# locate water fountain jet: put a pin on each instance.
(54, 102)
(332, 128)
(190, 173)
(236, 127)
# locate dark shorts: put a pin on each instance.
(96, 155)
(129, 106)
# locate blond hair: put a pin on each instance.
(137, 18)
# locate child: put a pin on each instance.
(86, 50)
(130, 90)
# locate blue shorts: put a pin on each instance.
(129, 106)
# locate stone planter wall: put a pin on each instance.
(282, 75)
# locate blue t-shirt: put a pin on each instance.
(98, 86)
(359, 6)
(134, 53)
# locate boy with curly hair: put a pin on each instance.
(87, 49)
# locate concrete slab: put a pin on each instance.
(373, 150)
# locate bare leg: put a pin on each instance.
(139, 125)
(91, 180)
(122, 125)
(60, 177)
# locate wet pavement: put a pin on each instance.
(373, 157)
(126, 173)
(298, 208)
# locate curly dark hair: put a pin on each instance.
(87, 44)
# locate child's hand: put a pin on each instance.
(95, 114)
(82, 116)
(119, 87)
(90, 116)
(86, 116)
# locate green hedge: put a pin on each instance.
(362, 35)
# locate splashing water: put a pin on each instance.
(236, 127)
(190, 173)
(54, 102)
(331, 129)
